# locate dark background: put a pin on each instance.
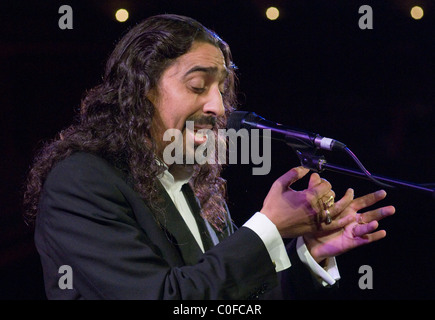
(313, 69)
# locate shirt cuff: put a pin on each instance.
(271, 238)
(327, 275)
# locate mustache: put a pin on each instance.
(203, 120)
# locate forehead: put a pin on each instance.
(200, 56)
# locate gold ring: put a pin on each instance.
(328, 219)
(330, 202)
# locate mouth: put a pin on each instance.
(202, 127)
(199, 134)
(198, 129)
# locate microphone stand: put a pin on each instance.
(318, 164)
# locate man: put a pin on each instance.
(131, 226)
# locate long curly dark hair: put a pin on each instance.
(115, 116)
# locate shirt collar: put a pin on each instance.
(174, 184)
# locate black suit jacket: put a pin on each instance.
(92, 220)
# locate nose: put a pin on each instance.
(214, 104)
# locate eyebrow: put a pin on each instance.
(208, 70)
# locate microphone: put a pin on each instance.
(293, 137)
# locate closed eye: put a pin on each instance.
(198, 90)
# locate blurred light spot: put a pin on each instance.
(272, 13)
(417, 13)
(121, 15)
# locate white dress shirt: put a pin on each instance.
(262, 226)
(174, 189)
(268, 232)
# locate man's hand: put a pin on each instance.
(296, 213)
(359, 231)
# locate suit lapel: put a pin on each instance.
(208, 236)
(177, 230)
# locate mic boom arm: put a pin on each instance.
(306, 144)
(319, 164)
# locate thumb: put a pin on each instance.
(290, 177)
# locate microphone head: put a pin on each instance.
(237, 118)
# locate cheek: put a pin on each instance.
(167, 120)
(175, 117)
(167, 112)
(172, 118)
(175, 106)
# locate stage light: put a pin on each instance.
(272, 13)
(121, 15)
(417, 12)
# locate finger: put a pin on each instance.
(338, 223)
(318, 203)
(360, 230)
(368, 199)
(372, 237)
(321, 190)
(375, 236)
(290, 177)
(314, 180)
(343, 203)
(377, 214)
(329, 199)
(324, 204)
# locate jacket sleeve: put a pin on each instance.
(85, 222)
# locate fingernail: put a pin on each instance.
(381, 193)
